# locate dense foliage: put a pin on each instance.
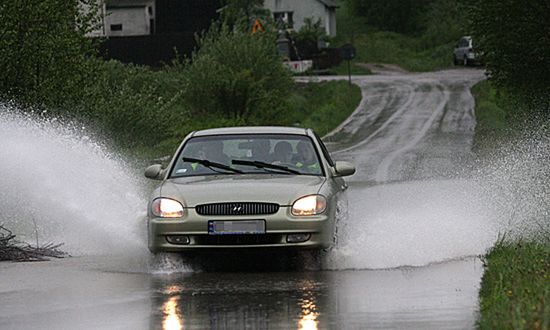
(516, 47)
(426, 45)
(306, 40)
(237, 12)
(43, 49)
(404, 16)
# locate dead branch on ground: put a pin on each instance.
(14, 250)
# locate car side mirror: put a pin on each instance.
(154, 172)
(343, 168)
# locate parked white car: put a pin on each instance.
(464, 53)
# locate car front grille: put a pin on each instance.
(240, 208)
(241, 239)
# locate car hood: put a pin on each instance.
(281, 189)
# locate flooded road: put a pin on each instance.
(82, 293)
(406, 253)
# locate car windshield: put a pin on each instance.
(248, 154)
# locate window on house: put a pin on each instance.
(284, 18)
(116, 27)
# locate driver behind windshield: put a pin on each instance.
(210, 150)
(213, 151)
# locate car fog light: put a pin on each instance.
(297, 238)
(177, 239)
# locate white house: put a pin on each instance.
(126, 18)
(293, 12)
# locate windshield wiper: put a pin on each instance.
(210, 164)
(263, 165)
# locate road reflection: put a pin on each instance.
(440, 296)
(309, 316)
(172, 320)
(238, 300)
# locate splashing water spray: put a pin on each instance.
(60, 185)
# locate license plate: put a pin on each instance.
(233, 227)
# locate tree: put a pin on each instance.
(308, 37)
(242, 12)
(403, 16)
(43, 48)
(238, 75)
(514, 38)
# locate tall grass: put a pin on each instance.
(515, 289)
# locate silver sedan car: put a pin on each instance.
(246, 187)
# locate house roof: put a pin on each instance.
(329, 3)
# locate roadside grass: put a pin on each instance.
(515, 289)
(491, 115)
(356, 68)
(501, 117)
(408, 52)
(321, 106)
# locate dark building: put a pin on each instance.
(175, 26)
(185, 15)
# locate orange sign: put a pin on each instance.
(257, 26)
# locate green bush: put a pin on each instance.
(129, 101)
(237, 75)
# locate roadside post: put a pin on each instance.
(347, 52)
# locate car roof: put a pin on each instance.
(252, 130)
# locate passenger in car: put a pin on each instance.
(305, 158)
(282, 153)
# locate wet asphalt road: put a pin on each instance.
(398, 264)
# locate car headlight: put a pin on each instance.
(309, 205)
(167, 208)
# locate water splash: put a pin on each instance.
(413, 224)
(424, 222)
(60, 185)
(168, 263)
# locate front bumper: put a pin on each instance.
(278, 227)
